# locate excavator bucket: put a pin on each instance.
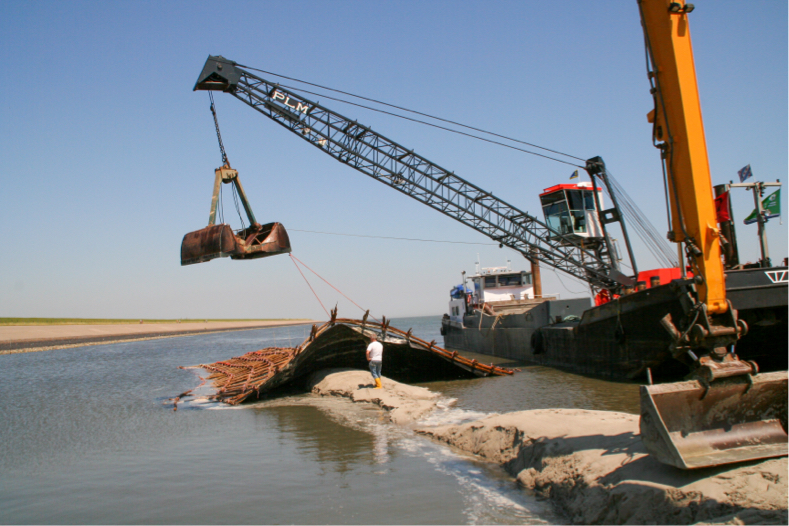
(215, 241)
(688, 425)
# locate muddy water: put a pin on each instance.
(86, 437)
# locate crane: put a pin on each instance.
(404, 170)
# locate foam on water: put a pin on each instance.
(490, 495)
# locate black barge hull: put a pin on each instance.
(622, 339)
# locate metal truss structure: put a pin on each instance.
(374, 155)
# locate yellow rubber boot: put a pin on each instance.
(378, 383)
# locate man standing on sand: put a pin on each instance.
(375, 354)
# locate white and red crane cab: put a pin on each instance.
(570, 210)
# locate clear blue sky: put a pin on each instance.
(108, 155)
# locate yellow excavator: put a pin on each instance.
(728, 412)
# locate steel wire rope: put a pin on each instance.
(655, 243)
(390, 237)
(643, 229)
(238, 210)
(308, 284)
(221, 208)
(225, 160)
(332, 286)
(296, 89)
(411, 111)
(565, 286)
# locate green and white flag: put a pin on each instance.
(771, 205)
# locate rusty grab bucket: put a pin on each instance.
(215, 241)
(688, 425)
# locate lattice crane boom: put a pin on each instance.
(371, 153)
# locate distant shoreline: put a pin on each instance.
(21, 338)
(123, 321)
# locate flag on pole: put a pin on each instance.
(575, 175)
(745, 173)
(771, 205)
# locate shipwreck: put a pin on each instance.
(338, 343)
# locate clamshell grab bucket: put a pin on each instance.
(218, 241)
(688, 425)
(215, 241)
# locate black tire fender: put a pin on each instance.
(536, 342)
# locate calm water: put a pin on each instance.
(87, 437)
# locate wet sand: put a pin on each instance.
(591, 465)
(31, 338)
(404, 403)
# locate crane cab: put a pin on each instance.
(570, 210)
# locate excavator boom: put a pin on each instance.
(678, 129)
(728, 413)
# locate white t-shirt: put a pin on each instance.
(376, 351)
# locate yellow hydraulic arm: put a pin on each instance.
(679, 133)
(726, 412)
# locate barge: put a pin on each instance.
(499, 315)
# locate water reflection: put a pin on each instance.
(537, 387)
(320, 438)
(381, 447)
(86, 438)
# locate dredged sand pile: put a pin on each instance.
(404, 403)
(590, 464)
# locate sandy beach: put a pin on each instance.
(30, 338)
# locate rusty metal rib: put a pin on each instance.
(237, 379)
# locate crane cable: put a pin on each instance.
(295, 259)
(301, 90)
(420, 121)
(644, 228)
(308, 284)
(392, 237)
(225, 162)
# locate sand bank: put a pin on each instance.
(30, 338)
(593, 466)
(590, 464)
(404, 403)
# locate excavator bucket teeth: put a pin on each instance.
(213, 241)
(216, 241)
(688, 425)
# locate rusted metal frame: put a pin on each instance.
(573, 268)
(229, 386)
(233, 388)
(432, 347)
